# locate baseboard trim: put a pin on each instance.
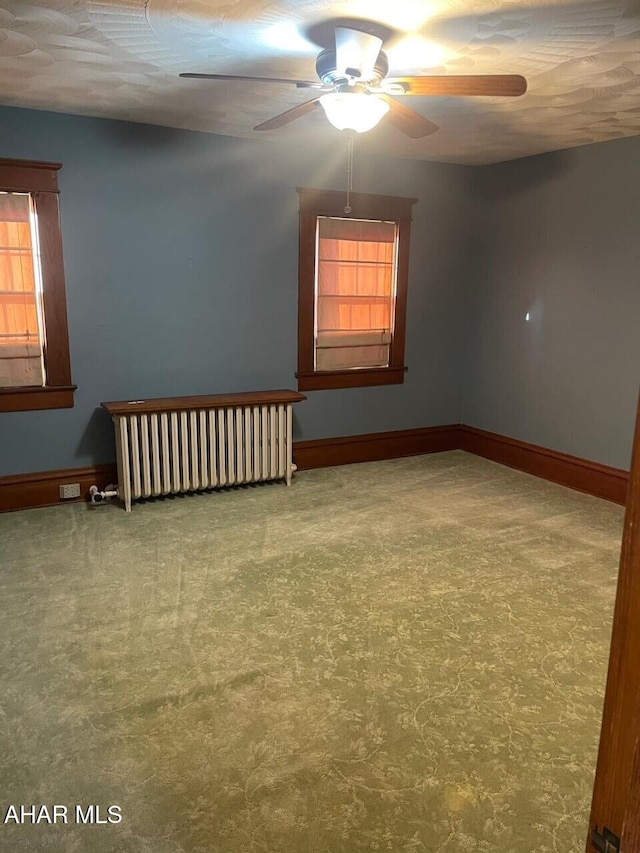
(40, 489)
(375, 446)
(595, 479)
(27, 491)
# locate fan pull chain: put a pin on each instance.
(347, 207)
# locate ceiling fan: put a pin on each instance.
(357, 92)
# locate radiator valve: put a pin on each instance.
(97, 497)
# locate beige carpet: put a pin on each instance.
(405, 656)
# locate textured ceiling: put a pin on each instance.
(121, 58)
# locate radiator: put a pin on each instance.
(187, 444)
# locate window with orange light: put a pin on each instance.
(20, 325)
(35, 370)
(352, 289)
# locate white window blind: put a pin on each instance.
(20, 331)
(355, 292)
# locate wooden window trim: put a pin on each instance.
(314, 203)
(40, 180)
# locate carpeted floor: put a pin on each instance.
(406, 656)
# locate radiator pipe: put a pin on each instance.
(97, 497)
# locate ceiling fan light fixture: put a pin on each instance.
(354, 110)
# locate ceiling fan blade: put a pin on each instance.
(301, 84)
(289, 115)
(408, 121)
(493, 85)
(356, 53)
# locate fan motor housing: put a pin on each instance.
(328, 73)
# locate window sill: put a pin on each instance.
(27, 399)
(329, 379)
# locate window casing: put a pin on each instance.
(35, 371)
(353, 271)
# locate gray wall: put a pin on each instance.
(181, 267)
(557, 236)
(181, 261)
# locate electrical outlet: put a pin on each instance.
(70, 490)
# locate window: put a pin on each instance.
(35, 371)
(352, 299)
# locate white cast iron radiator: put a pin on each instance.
(184, 444)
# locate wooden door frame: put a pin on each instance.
(616, 793)
(631, 826)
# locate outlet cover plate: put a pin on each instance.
(70, 490)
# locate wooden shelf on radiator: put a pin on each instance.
(211, 401)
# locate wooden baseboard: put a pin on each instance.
(375, 446)
(26, 491)
(593, 478)
(583, 475)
